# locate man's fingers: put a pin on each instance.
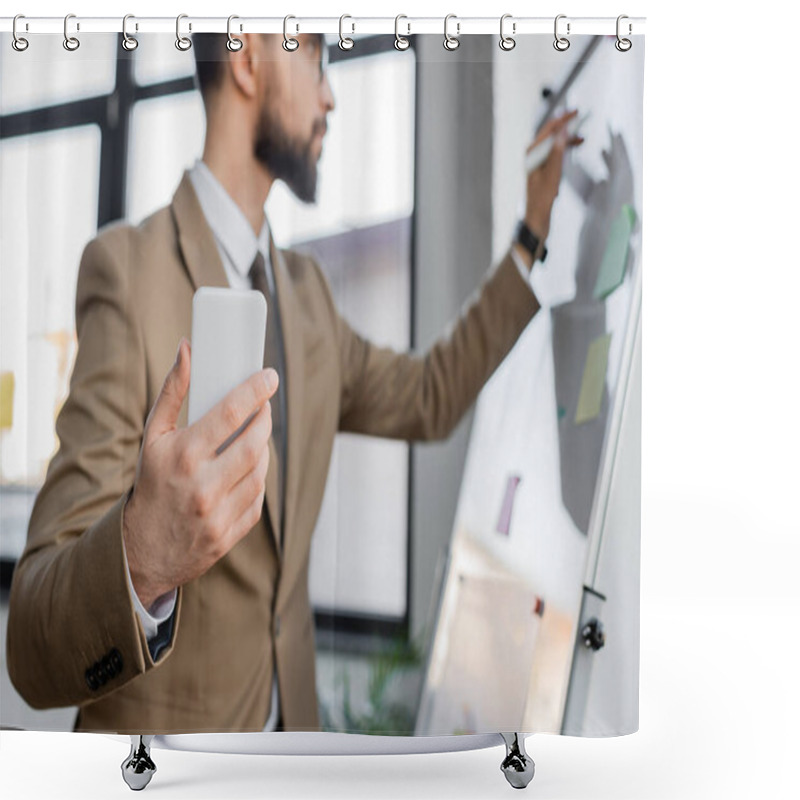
(245, 523)
(563, 120)
(559, 146)
(552, 126)
(230, 413)
(246, 451)
(163, 415)
(244, 502)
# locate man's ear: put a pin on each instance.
(244, 64)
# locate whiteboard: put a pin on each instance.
(533, 471)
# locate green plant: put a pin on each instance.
(386, 718)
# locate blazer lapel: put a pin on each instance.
(293, 347)
(204, 265)
(200, 254)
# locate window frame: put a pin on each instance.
(112, 113)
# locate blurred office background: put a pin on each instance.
(403, 230)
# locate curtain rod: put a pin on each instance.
(456, 26)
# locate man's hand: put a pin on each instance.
(190, 505)
(543, 182)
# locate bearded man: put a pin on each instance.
(164, 585)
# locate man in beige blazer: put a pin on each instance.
(137, 509)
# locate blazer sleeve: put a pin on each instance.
(73, 634)
(423, 397)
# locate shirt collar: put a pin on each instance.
(227, 221)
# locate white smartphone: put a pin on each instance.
(228, 332)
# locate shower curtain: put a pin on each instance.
(431, 526)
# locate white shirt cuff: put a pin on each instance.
(161, 609)
(524, 271)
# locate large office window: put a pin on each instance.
(72, 130)
(360, 232)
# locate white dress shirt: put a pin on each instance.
(237, 245)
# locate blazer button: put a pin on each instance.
(108, 671)
(91, 679)
(100, 673)
(115, 658)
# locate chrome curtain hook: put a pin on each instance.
(507, 42)
(561, 43)
(183, 43)
(345, 42)
(234, 43)
(623, 45)
(289, 44)
(19, 43)
(128, 42)
(400, 42)
(451, 42)
(70, 42)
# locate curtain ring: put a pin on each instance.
(561, 43)
(19, 43)
(234, 43)
(70, 43)
(400, 42)
(128, 42)
(623, 45)
(507, 42)
(289, 44)
(451, 42)
(345, 42)
(183, 43)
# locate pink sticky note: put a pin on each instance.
(504, 522)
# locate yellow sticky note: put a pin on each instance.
(6, 399)
(594, 379)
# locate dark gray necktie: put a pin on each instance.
(274, 357)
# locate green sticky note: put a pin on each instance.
(6, 399)
(594, 379)
(615, 258)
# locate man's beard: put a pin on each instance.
(287, 159)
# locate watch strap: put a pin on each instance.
(529, 240)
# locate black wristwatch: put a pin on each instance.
(529, 240)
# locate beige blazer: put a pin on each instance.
(74, 637)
